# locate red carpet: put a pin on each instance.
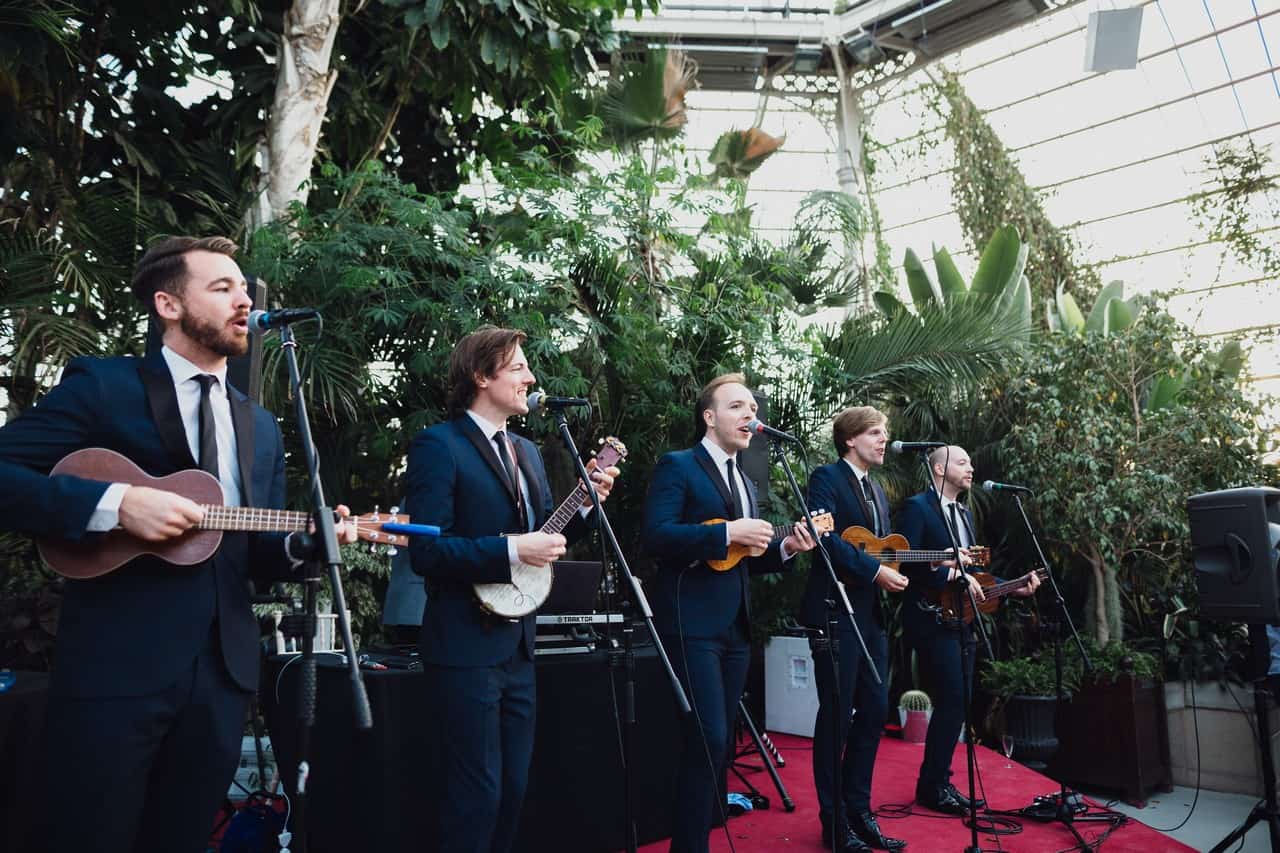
(896, 767)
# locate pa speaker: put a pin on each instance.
(245, 371)
(1235, 545)
(1112, 40)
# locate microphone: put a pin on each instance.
(539, 401)
(261, 322)
(993, 486)
(759, 428)
(909, 446)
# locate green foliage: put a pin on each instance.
(1027, 676)
(990, 192)
(1242, 204)
(1111, 470)
(998, 286)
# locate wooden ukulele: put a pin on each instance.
(894, 549)
(822, 522)
(955, 603)
(99, 554)
(530, 585)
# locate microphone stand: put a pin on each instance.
(638, 596)
(323, 548)
(1062, 812)
(962, 586)
(839, 728)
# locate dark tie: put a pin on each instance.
(208, 432)
(870, 497)
(733, 489)
(507, 465)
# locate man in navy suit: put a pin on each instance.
(846, 490)
(487, 490)
(925, 527)
(703, 615)
(155, 663)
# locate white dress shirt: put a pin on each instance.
(106, 516)
(719, 456)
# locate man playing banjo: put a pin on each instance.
(487, 489)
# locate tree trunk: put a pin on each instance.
(1100, 624)
(303, 83)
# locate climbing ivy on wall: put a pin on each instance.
(990, 191)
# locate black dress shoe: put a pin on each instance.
(852, 843)
(940, 798)
(964, 801)
(864, 826)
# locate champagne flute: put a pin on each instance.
(1006, 746)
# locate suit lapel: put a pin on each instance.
(753, 509)
(717, 479)
(242, 420)
(485, 448)
(162, 399)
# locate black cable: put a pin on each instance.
(1195, 721)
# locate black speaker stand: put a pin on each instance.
(1266, 811)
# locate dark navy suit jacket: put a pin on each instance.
(685, 490)
(920, 521)
(135, 630)
(455, 481)
(831, 488)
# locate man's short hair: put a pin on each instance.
(706, 399)
(853, 422)
(163, 267)
(941, 455)
(480, 353)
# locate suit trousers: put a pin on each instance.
(863, 707)
(482, 729)
(145, 774)
(713, 672)
(940, 667)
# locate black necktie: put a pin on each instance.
(733, 490)
(869, 495)
(208, 432)
(507, 465)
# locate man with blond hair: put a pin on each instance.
(703, 615)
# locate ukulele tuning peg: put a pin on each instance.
(395, 510)
(392, 551)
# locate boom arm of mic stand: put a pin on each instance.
(955, 545)
(826, 559)
(606, 530)
(1053, 583)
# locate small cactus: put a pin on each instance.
(915, 700)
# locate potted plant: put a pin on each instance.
(1025, 687)
(914, 710)
(1114, 729)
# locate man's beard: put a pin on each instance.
(213, 338)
